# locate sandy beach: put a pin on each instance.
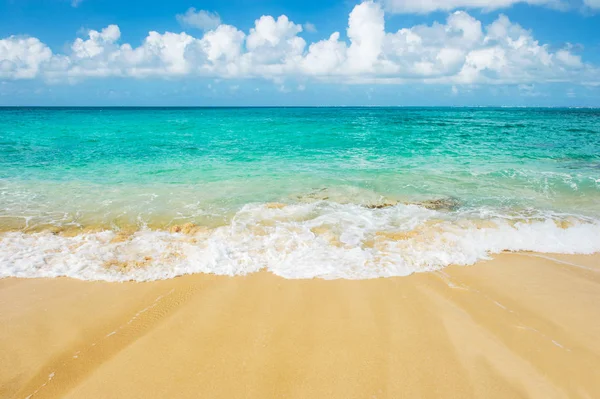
(522, 325)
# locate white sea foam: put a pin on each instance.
(321, 239)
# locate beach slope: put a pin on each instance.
(521, 325)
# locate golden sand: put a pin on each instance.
(188, 228)
(275, 205)
(520, 326)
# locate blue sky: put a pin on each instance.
(391, 52)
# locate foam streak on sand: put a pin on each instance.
(519, 327)
(320, 239)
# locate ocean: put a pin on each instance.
(152, 193)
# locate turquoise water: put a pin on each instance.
(353, 175)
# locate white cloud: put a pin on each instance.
(97, 43)
(310, 27)
(325, 57)
(459, 50)
(568, 59)
(268, 32)
(366, 33)
(592, 3)
(100, 55)
(22, 57)
(427, 6)
(223, 44)
(76, 3)
(200, 19)
(218, 52)
(273, 47)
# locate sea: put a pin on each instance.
(142, 194)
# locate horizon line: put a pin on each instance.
(307, 106)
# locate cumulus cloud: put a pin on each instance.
(273, 47)
(22, 57)
(367, 34)
(100, 55)
(201, 19)
(97, 43)
(458, 50)
(427, 6)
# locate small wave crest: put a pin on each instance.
(320, 239)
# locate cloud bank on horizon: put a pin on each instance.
(459, 50)
(427, 6)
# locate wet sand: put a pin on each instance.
(519, 326)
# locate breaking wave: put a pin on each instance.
(321, 239)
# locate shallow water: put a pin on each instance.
(304, 192)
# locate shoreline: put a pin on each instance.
(520, 325)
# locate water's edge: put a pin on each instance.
(315, 240)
